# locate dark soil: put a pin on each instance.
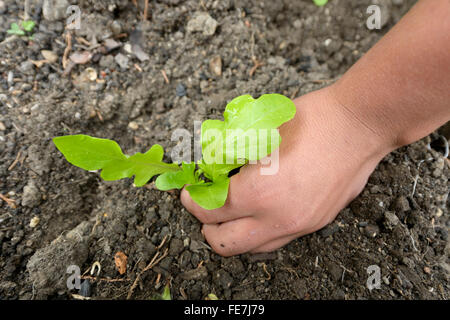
(399, 222)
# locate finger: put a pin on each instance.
(274, 244)
(234, 207)
(236, 236)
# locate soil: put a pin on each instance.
(63, 216)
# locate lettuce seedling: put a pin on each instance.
(226, 145)
(24, 28)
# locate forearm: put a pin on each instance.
(400, 89)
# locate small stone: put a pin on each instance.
(2, 126)
(31, 195)
(180, 90)
(202, 22)
(34, 222)
(122, 60)
(427, 270)
(27, 67)
(329, 230)
(215, 65)
(371, 231)
(53, 10)
(116, 27)
(107, 61)
(402, 204)
(133, 125)
(390, 220)
(50, 56)
(10, 79)
(195, 246)
(176, 247)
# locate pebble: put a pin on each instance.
(176, 247)
(26, 67)
(2, 126)
(122, 60)
(215, 65)
(50, 56)
(116, 27)
(53, 10)
(180, 90)
(133, 125)
(371, 230)
(202, 22)
(10, 78)
(402, 204)
(34, 222)
(390, 220)
(329, 230)
(31, 195)
(107, 61)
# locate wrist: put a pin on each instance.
(373, 120)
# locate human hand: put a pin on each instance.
(325, 159)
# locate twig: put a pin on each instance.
(165, 76)
(144, 18)
(67, 49)
(104, 279)
(15, 161)
(10, 202)
(256, 65)
(155, 260)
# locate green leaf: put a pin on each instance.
(210, 195)
(248, 131)
(215, 170)
(320, 3)
(15, 29)
(177, 179)
(212, 296)
(91, 153)
(166, 293)
(28, 25)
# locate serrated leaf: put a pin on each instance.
(15, 29)
(210, 195)
(248, 132)
(28, 25)
(91, 153)
(177, 179)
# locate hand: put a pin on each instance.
(325, 159)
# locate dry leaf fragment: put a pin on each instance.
(121, 262)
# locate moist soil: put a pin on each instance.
(200, 54)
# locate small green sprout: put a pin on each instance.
(26, 27)
(320, 3)
(235, 141)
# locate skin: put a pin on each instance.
(397, 93)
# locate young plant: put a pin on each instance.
(226, 145)
(26, 27)
(320, 3)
